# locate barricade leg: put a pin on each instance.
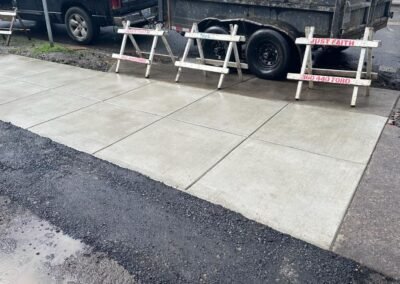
(185, 54)
(228, 57)
(152, 51)
(360, 68)
(237, 57)
(123, 46)
(200, 48)
(169, 50)
(306, 59)
(369, 61)
(309, 64)
(11, 29)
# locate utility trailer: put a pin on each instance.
(271, 26)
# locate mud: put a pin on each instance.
(73, 55)
(34, 251)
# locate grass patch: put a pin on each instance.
(46, 48)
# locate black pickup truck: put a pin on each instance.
(83, 18)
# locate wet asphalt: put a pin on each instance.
(155, 232)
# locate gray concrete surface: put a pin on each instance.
(340, 134)
(370, 232)
(181, 133)
(173, 152)
(296, 192)
(158, 234)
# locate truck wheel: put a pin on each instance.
(268, 54)
(80, 26)
(215, 49)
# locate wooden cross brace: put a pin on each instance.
(129, 32)
(232, 38)
(342, 77)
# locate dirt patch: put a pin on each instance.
(66, 54)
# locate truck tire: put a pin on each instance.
(215, 49)
(268, 54)
(80, 26)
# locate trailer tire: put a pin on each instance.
(336, 49)
(268, 54)
(80, 25)
(215, 49)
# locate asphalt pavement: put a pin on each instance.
(157, 233)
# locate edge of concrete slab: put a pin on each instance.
(369, 223)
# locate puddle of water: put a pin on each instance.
(32, 251)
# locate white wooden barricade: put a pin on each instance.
(222, 65)
(7, 32)
(341, 77)
(128, 32)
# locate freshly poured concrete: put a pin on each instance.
(20, 68)
(160, 98)
(62, 76)
(231, 113)
(102, 86)
(40, 108)
(339, 134)
(12, 90)
(380, 102)
(95, 127)
(174, 152)
(296, 192)
(300, 182)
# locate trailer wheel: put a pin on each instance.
(80, 26)
(268, 54)
(215, 49)
(336, 49)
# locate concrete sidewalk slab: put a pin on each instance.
(224, 111)
(339, 134)
(194, 144)
(103, 86)
(371, 229)
(56, 78)
(192, 78)
(173, 152)
(380, 102)
(299, 193)
(160, 98)
(17, 67)
(95, 127)
(12, 90)
(4, 79)
(40, 108)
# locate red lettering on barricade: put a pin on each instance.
(333, 41)
(326, 79)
